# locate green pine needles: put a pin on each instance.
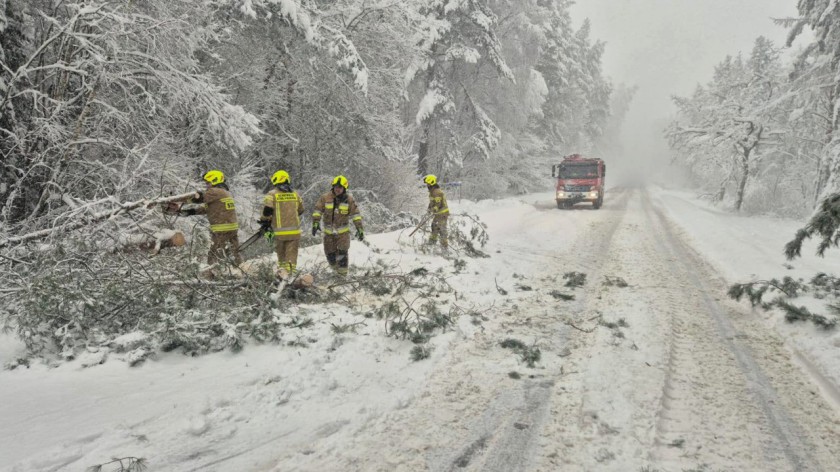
(530, 355)
(821, 286)
(825, 224)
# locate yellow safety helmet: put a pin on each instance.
(215, 177)
(340, 180)
(430, 180)
(280, 177)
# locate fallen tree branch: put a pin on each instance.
(499, 289)
(569, 323)
(132, 464)
(102, 216)
(770, 283)
(401, 277)
(596, 317)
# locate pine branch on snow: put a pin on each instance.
(124, 464)
(825, 223)
(530, 355)
(791, 288)
(795, 313)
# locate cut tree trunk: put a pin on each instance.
(83, 221)
(154, 243)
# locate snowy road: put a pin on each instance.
(664, 373)
(691, 380)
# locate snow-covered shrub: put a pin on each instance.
(776, 197)
(517, 166)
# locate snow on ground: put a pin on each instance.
(603, 396)
(748, 248)
(10, 347)
(236, 410)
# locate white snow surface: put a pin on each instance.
(749, 248)
(600, 399)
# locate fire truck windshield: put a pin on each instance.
(578, 171)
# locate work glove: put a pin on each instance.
(265, 226)
(188, 212)
(360, 234)
(316, 226)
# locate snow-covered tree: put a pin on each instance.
(114, 93)
(517, 162)
(609, 143)
(731, 120)
(524, 109)
(104, 102)
(13, 44)
(577, 105)
(818, 72)
(317, 121)
(456, 37)
(817, 76)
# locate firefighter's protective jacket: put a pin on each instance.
(437, 201)
(285, 215)
(336, 212)
(219, 207)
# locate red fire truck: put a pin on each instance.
(579, 179)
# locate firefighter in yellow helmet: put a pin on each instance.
(280, 220)
(440, 211)
(336, 209)
(217, 204)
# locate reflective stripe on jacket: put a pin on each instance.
(336, 213)
(287, 208)
(219, 208)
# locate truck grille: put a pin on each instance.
(577, 188)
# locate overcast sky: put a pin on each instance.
(666, 47)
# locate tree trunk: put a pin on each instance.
(823, 174)
(832, 165)
(721, 193)
(423, 151)
(742, 179)
(824, 165)
(81, 222)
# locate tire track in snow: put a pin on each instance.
(506, 430)
(715, 385)
(470, 412)
(509, 435)
(604, 421)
